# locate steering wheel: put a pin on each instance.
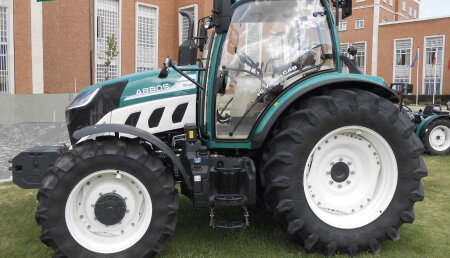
(245, 59)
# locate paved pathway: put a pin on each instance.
(15, 138)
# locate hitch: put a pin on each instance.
(223, 224)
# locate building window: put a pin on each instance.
(433, 74)
(415, 13)
(254, 41)
(384, 1)
(404, 6)
(146, 37)
(410, 11)
(344, 52)
(342, 25)
(184, 22)
(391, 2)
(107, 23)
(5, 85)
(383, 20)
(361, 56)
(402, 70)
(359, 23)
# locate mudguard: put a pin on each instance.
(373, 84)
(126, 129)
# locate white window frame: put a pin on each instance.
(365, 54)
(415, 13)
(156, 34)
(342, 25)
(410, 11)
(404, 5)
(394, 62)
(356, 23)
(424, 61)
(119, 43)
(391, 2)
(180, 21)
(10, 35)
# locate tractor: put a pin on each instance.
(264, 114)
(432, 123)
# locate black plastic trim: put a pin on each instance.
(258, 139)
(155, 118)
(126, 129)
(179, 112)
(133, 119)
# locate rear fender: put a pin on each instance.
(130, 130)
(422, 128)
(306, 88)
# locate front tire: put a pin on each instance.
(437, 137)
(107, 198)
(343, 172)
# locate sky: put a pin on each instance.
(434, 8)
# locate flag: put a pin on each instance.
(415, 59)
(434, 59)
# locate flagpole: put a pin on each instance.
(417, 85)
(435, 72)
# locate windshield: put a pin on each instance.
(269, 46)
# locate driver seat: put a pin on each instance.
(428, 111)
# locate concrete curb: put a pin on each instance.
(6, 180)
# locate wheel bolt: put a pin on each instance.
(89, 226)
(332, 163)
(319, 203)
(341, 159)
(81, 216)
(122, 231)
(319, 148)
(349, 163)
(127, 211)
(368, 199)
(88, 183)
(132, 224)
(140, 192)
(348, 182)
(125, 198)
(361, 206)
(100, 194)
(328, 173)
(331, 182)
(313, 195)
(353, 172)
(114, 191)
(339, 186)
(92, 205)
(309, 186)
(95, 218)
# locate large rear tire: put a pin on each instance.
(107, 198)
(342, 172)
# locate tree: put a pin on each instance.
(110, 53)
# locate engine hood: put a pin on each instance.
(146, 86)
(99, 100)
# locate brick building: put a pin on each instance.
(57, 46)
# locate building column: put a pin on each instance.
(37, 49)
(376, 24)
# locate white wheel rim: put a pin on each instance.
(95, 236)
(371, 183)
(440, 138)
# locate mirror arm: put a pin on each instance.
(187, 76)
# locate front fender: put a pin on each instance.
(336, 80)
(421, 129)
(130, 130)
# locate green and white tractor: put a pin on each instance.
(264, 115)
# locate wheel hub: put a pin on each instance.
(340, 172)
(110, 209)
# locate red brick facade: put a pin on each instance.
(66, 38)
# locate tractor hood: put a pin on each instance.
(97, 101)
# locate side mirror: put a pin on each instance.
(347, 9)
(165, 70)
(187, 52)
(221, 17)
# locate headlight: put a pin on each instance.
(84, 98)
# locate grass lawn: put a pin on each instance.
(429, 236)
